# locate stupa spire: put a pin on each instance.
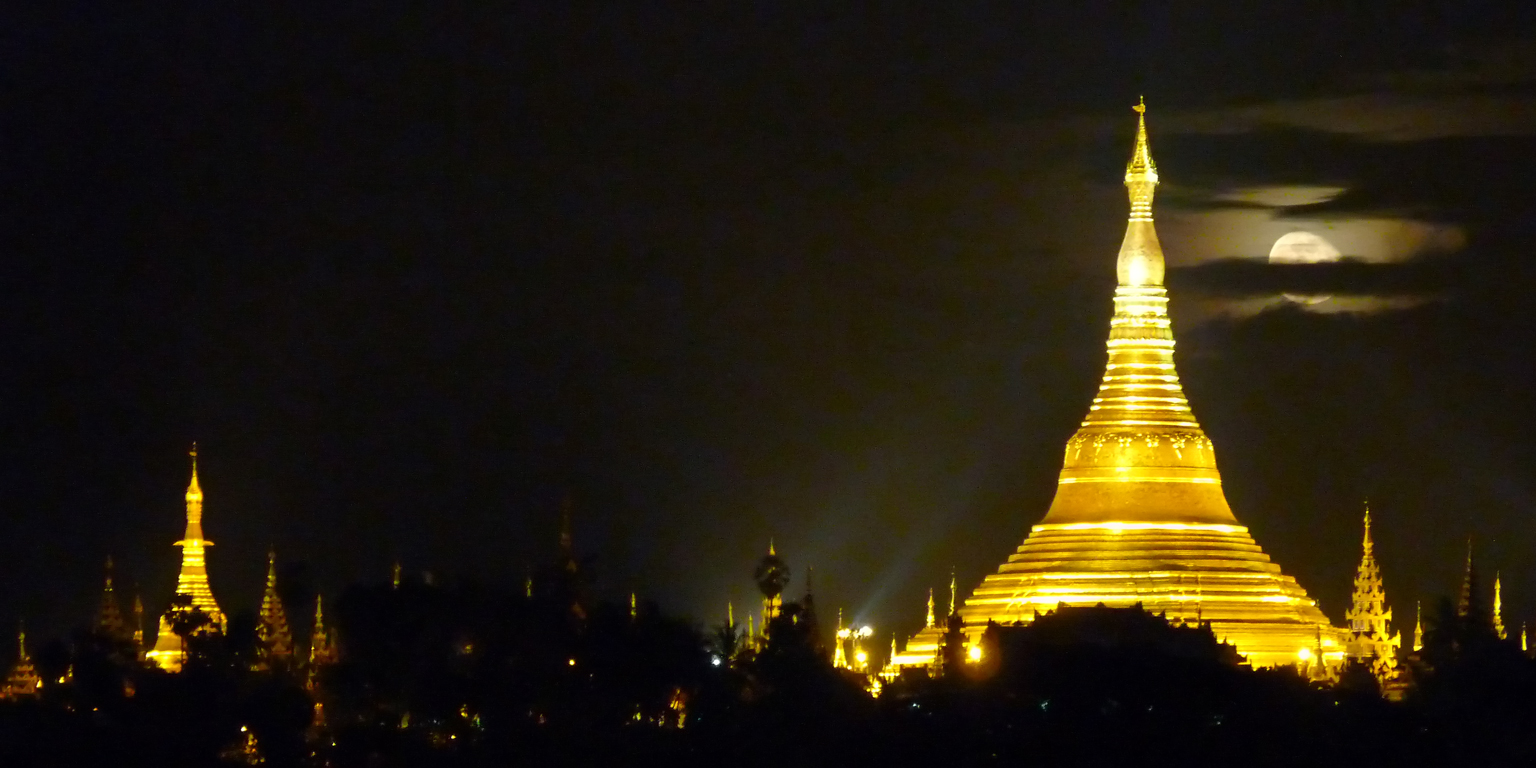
(1498, 608)
(109, 616)
(272, 627)
(1369, 616)
(1418, 626)
(192, 582)
(928, 621)
(322, 646)
(138, 622)
(23, 679)
(1140, 455)
(1468, 604)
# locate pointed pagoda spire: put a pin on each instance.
(633, 608)
(840, 638)
(730, 614)
(138, 622)
(23, 679)
(272, 625)
(1469, 605)
(1525, 644)
(928, 620)
(192, 581)
(322, 646)
(1498, 608)
(1320, 671)
(770, 547)
(1370, 641)
(194, 491)
(1141, 257)
(1140, 454)
(109, 617)
(1418, 626)
(954, 593)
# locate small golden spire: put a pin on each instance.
(1141, 168)
(1367, 526)
(928, 622)
(730, 614)
(1418, 625)
(194, 491)
(770, 547)
(954, 596)
(1468, 585)
(1498, 608)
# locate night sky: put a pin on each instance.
(410, 274)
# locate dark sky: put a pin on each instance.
(412, 273)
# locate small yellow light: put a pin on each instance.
(571, 662)
(974, 653)
(1304, 654)
(861, 656)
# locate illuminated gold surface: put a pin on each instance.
(272, 626)
(1370, 640)
(322, 647)
(1139, 514)
(193, 579)
(23, 679)
(1498, 608)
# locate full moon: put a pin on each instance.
(1303, 248)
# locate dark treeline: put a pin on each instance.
(470, 674)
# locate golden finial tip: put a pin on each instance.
(1141, 106)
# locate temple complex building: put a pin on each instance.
(192, 583)
(1139, 515)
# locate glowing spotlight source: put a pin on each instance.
(974, 653)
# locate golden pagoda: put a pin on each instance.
(322, 647)
(23, 679)
(1139, 515)
(1368, 618)
(192, 582)
(109, 617)
(1498, 608)
(272, 624)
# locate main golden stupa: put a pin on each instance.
(1139, 514)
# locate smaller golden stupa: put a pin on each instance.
(192, 581)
